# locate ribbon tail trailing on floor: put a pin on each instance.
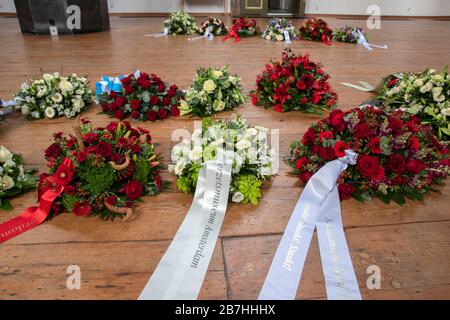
(364, 86)
(317, 208)
(181, 271)
(34, 216)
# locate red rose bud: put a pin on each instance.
(53, 151)
(135, 114)
(135, 104)
(154, 100)
(162, 113)
(133, 190)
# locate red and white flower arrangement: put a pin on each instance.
(398, 157)
(243, 28)
(294, 83)
(113, 167)
(316, 30)
(145, 97)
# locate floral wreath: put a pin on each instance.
(316, 30)
(243, 28)
(275, 29)
(180, 23)
(348, 34)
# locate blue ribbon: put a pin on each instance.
(108, 84)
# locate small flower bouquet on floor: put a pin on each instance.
(316, 30)
(113, 167)
(398, 156)
(276, 28)
(212, 91)
(14, 179)
(180, 23)
(54, 96)
(253, 159)
(216, 27)
(348, 34)
(243, 28)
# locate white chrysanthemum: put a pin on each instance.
(427, 87)
(179, 167)
(237, 197)
(6, 183)
(5, 154)
(195, 154)
(41, 92)
(49, 112)
(209, 86)
(446, 112)
(57, 97)
(78, 104)
(65, 85)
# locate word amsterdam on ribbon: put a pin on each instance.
(181, 271)
(34, 216)
(317, 208)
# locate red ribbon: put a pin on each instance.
(34, 216)
(233, 33)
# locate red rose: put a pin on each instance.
(104, 149)
(305, 176)
(300, 162)
(81, 156)
(326, 153)
(309, 136)
(90, 138)
(113, 94)
(413, 143)
(152, 115)
(145, 83)
(126, 81)
(415, 166)
(174, 111)
(395, 124)
(128, 89)
(301, 85)
(336, 120)
(374, 145)
(396, 163)
(113, 106)
(133, 189)
(120, 101)
(162, 113)
(316, 98)
(154, 100)
(345, 191)
(135, 114)
(53, 151)
(135, 104)
(339, 148)
(161, 87)
(379, 174)
(112, 127)
(81, 209)
(367, 165)
(166, 101)
(119, 114)
(105, 107)
(111, 200)
(362, 131)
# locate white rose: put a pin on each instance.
(41, 93)
(267, 37)
(279, 37)
(217, 74)
(209, 86)
(6, 183)
(427, 87)
(78, 104)
(57, 97)
(47, 77)
(49, 112)
(445, 112)
(5, 154)
(65, 85)
(35, 114)
(218, 105)
(243, 144)
(251, 132)
(418, 83)
(24, 109)
(237, 197)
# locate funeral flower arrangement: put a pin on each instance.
(216, 27)
(316, 30)
(14, 179)
(274, 31)
(144, 97)
(398, 157)
(113, 167)
(213, 90)
(348, 34)
(425, 94)
(54, 96)
(294, 83)
(180, 23)
(252, 157)
(243, 28)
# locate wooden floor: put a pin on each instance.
(410, 244)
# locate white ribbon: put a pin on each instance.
(365, 86)
(161, 34)
(318, 207)
(362, 40)
(7, 107)
(207, 35)
(287, 37)
(181, 271)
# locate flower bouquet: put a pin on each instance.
(274, 31)
(180, 23)
(54, 96)
(216, 27)
(348, 34)
(143, 96)
(316, 30)
(294, 83)
(252, 157)
(425, 94)
(243, 28)
(212, 91)
(112, 168)
(14, 179)
(398, 157)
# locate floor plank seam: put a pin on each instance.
(225, 270)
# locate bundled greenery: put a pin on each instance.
(180, 23)
(212, 91)
(425, 94)
(14, 179)
(252, 159)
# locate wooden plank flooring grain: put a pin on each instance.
(106, 248)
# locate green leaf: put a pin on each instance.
(146, 96)
(5, 205)
(398, 198)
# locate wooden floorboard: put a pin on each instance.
(411, 244)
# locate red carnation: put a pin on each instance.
(362, 131)
(309, 136)
(374, 145)
(305, 176)
(326, 135)
(81, 156)
(300, 162)
(162, 113)
(415, 166)
(345, 191)
(413, 143)
(53, 151)
(174, 111)
(336, 119)
(133, 189)
(395, 124)
(104, 149)
(339, 148)
(90, 138)
(81, 209)
(396, 163)
(327, 153)
(112, 127)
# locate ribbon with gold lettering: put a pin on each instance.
(34, 216)
(181, 271)
(317, 208)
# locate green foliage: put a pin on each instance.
(97, 180)
(250, 187)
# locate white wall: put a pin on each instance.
(358, 7)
